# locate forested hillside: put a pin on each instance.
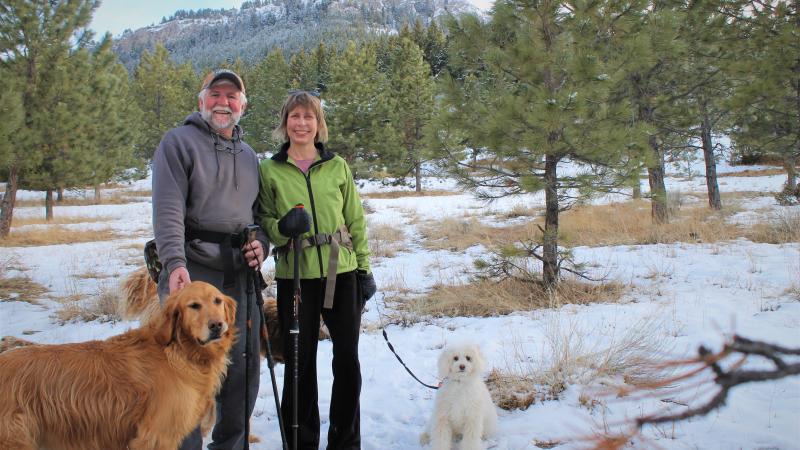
(209, 37)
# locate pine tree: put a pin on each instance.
(768, 99)
(651, 39)
(35, 38)
(302, 71)
(536, 88)
(111, 131)
(65, 158)
(165, 93)
(11, 109)
(267, 87)
(411, 93)
(713, 44)
(358, 111)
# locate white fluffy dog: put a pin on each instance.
(463, 405)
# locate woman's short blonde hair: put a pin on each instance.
(305, 100)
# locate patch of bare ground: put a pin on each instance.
(486, 298)
(56, 235)
(402, 194)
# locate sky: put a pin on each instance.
(117, 15)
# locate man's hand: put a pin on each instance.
(178, 279)
(253, 253)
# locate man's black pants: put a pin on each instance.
(344, 323)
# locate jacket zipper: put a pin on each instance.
(313, 212)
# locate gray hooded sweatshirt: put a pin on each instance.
(205, 182)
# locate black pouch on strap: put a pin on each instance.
(225, 241)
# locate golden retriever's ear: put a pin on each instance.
(230, 310)
(167, 329)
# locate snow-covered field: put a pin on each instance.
(683, 295)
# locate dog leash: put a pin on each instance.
(391, 347)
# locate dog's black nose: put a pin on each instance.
(461, 367)
(215, 328)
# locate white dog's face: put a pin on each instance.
(461, 361)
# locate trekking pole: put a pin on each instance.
(294, 331)
(257, 284)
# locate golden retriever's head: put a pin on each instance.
(461, 361)
(199, 313)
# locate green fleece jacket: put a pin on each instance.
(329, 195)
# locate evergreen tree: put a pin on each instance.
(651, 39)
(712, 45)
(768, 99)
(411, 91)
(65, 158)
(358, 110)
(35, 38)
(111, 130)
(165, 93)
(267, 87)
(536, 90)
(13, 113)
(302, 71)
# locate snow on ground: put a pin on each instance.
(684, 295)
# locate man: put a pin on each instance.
(205, 185)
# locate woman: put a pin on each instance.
(333, 285)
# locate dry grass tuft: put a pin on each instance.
(19, 222)
(754, 173)
(781, 228)
(106, 306)
(56, 235)
(457, 234)
(572, 357)
(630, 223)
(402, 194)
(485, 298)
(385, 240)
(115, 197)
(512, 392)
(18, 288)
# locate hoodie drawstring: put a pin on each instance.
(220, 147)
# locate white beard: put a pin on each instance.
(210, 118)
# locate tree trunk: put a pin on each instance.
(60, 195)
(48, 205)
(714, 201)
(418, 175)
(98, 193)
(789, 163)
(637, 188)
(9, 199)
(550, 245)
(658, 190)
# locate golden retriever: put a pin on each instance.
(145, 389)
